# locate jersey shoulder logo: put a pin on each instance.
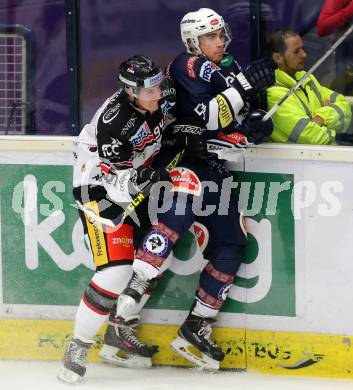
(111, 113)
(206, 70)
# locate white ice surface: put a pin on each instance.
(42, 376)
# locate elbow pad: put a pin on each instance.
(224, 109)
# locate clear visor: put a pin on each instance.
(155, 92)
(227, 35)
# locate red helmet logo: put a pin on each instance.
(213, 22)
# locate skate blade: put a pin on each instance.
(126, 360)
(184, 349)
(125, 302)
(67, 376)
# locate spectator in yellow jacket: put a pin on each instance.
(313, 114)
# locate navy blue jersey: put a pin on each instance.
(216, 95)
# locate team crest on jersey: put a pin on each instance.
(207, 69)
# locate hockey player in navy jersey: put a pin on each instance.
(211, 87)
(214, 98)
(112, 161)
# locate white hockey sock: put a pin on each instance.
(135, 309)
(202, 310)
(146, 269)
(88, 321)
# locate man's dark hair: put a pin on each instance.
(276, 43)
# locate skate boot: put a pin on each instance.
(196, 332)
(122, 347)
(74, 363)
(133, 292)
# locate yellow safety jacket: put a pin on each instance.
(293, 120)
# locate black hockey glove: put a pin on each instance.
(188, 138)
(144, 176)
(195, 148)
(255, 129)
(260, 74)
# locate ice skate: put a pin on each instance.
(194, 343)
(132, 293)
(122, 347)
(74, 363)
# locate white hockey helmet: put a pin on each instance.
(200, 22)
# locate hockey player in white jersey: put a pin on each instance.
(112, 160)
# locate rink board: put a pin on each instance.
(289, 311)
(261, 351)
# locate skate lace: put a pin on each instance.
(206, 331)
(78, 354)
(139, 284)
(129, 334)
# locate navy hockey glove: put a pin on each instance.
(260, 74)
(255, 129)
(344, 139)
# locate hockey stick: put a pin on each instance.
(136, 201)
(307, 74)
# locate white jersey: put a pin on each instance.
(117, 140)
